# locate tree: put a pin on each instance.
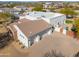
(5, 17)
(68, 11)
(76, 27)
(52, 9)
(38, 7)
(22, 11)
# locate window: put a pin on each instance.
(22, 36)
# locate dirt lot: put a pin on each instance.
(13, 49)
(60, 43)
(2, 29)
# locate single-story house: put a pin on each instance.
(30, 32)
(20, 8)
(55, 19)
(9, 10)
(47, 5)
(51, 18)
(13, 30)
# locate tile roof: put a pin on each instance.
(32, 27)
(15, 23)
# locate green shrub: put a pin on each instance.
(68, 21)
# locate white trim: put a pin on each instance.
(22, 39)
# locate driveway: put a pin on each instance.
(59, 43)
(62, 45)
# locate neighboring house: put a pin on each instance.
(9, 10)
(30, 8)
(58, 5)
(47, 5)
(30, 32)
(20, 8)
(55, 19)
